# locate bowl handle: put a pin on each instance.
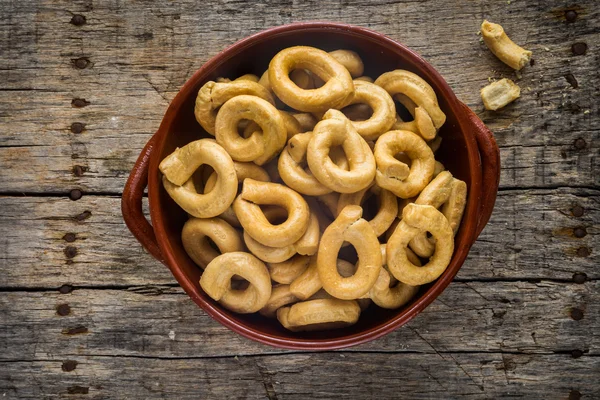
(490, 164)
(131, 203)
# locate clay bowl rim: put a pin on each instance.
(405, 314)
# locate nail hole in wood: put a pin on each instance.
(577, 211)
(576, 313)
(81, 62)
(70, 251)
(583, 252)
(63, 309)
(579, 48)
(75, 194)
(78, 170)
(78, 390)
(69, 237)
(579, 232)
(77, 127)
(78, 330)
(78, 20)
(83, 216)
(574, 395)
(79, 103)
(579, 277)
(69, 365)
(64, 289)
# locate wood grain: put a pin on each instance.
(158, 321)
(530, 236)
(513, 324)
(139, 57)
(301, 376)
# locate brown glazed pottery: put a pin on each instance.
(468, 150)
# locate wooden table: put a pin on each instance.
(86, 314)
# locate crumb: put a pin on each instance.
(478, 33)
(546, 48)
(518, 74)
(586, 112)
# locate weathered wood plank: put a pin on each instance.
(513, 317)
(531, 236)
(139, 56)
(302, 376)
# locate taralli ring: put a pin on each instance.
(287, 271)
(293, 168)
(178, 168)
(261, 146)
(216, 282)
(253, 220)
(395, 175)
(389, 293)
(214, 94)
(416, 89)
(196, 232)
(242, 171)
(382, 105)
(337, 90)
(418, 219)
(319, 315)
(350, 227)
(446, 192)
(308, 283)
(333, 131)
(388, 206)
(280, 296)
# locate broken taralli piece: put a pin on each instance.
(498, 94)
(505, 49)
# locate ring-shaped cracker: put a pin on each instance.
(349, 227)
(195, 233)
(419, 219)
(287, 271)
(387, 292)
(383, 110)
(213, 95)
(294, 171)
(416, 89)
(216, 282)
(280, 297)
(336, 92)
(242, 171)
(178, 168)
(450, 194)
(396, 176)
(388, 206)
(254, 222)
(262, 145)
(321, 314)
(333, 131)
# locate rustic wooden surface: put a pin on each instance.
(86, 313)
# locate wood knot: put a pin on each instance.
(579, 143)
(579, 232)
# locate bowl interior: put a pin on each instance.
(252, 56)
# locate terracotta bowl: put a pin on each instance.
(469, 151)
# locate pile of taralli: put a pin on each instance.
(278, 194)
